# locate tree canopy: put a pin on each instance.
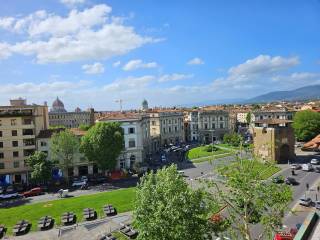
(103, 144)
(306, 125)
(233, 139)
(249, 200)
(41, 168)
(167, 208)
(64, 145)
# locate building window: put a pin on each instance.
(0, 122)
(213, 125)
(169, 121)
(221, 118)
(205, 126)
(169, 129)
(132, 143)
(28, 142)
(0, 133)
(27, 121)
(27, 132)
(16, 164)
(13, 122)
(164, 130)
(1, 144)
(1, 165)
(221, 125)
(14, 133)
(43, 144)
(14, 143)
(132, 160)
(153, 123)
(122, 163)
(15, 154)
(1, 155)
(131, 130)
(175, 129)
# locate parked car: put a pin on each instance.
(307, 167)
(1, 189)
(317, 169)
(315, 161)
(7, 195)
(283, 236)
(291, 181)
(317, 205)
(79, 183)
(33, 192)
(163, 158)
(278, 179)
(305, 202)
(295, 166)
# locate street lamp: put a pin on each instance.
(212, 131)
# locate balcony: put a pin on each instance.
(27, 132)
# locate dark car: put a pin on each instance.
(291, 181)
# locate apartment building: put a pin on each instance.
(171, 127)
(20, 123)
(59, 116)
(80, 165)
(136, 137)
(208, 125)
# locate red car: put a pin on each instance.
(33, 192)
(283, 236)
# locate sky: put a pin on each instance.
(92, 53)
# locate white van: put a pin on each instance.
(307, 167)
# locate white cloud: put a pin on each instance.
(297, 79)
(6, 22)
(138, 63)
(116, 64)
(5, 51)
(195, 61)
(72, 3)
(174, 77)
(264, 64)
(82, 35)
(94, 68)
(129, 83)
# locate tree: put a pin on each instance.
(232, 139)
(41, 168)
(249, 118)
(64, 145)
(167, 208)
(306, 125)
(84, 127)
(103, 144)
(249, 200)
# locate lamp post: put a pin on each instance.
(212, 131)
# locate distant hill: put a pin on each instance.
(304, 93)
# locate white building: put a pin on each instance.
(136, 137)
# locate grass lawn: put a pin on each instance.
(200, 152)
(204, 159)
(266, 170)
(228, 146)
(121, 199)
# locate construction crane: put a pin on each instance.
(120, 101)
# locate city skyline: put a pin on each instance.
(215, 51)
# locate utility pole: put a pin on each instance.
(120, 101)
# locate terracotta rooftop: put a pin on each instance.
(120, 116)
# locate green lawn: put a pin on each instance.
(121, 199)
(119, 236)
(224, 145)
(204, 159)
(200, 152)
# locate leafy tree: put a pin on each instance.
(64, 145)
(249, 118)
(84, 127)
(256, 107)
(41, 168)
(249, 200)
(167, 208)
(306, 125)
(232, 139)
(103, 144)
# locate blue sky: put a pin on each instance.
(90, 53)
